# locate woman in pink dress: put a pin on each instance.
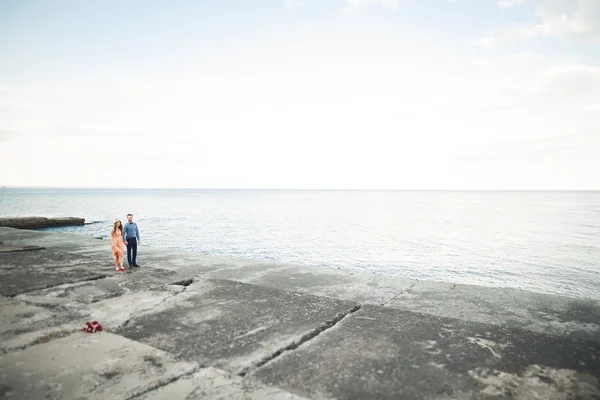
(116, 245)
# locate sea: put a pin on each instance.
(541, 241)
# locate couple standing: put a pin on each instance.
(128, 235)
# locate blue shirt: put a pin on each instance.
(131, 230)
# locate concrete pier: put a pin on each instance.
(190, 326)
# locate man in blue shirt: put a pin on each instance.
(131, 235)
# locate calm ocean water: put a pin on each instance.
(541, 241)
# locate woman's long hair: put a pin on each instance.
(119, 224)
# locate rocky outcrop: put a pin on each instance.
(40, 222)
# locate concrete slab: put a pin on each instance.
(23, 272)
(69, 243)
(363, 287)
(231, 325)
(23, 325)
(78, 293)
(6, 300)
(508, 307)
(27, 323)
(89, 292)
(7, 248)
(215, 384)
(17, 318)
(498, 343)
(117, 312)
(385, 353)
(91, 366)
(36, 317)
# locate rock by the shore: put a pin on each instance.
(39, 222)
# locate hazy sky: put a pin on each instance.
(361, 94)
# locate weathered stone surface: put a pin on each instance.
(382, 353)
(98, 365)
(6, 248)
(34, 318)
(23, 272)
(23, 325)
(507, 307)
(231, 325)
(39, 222)
(88, 292)
(288, 329)
(366, 288)
(215, 384)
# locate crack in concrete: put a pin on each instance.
(47, 306)
(92, 278)
(173, 295)
(305, 338)
(162, 383)
(403, 290)
(60, 333)
(128, 320)
(56, 334)
(14, 249)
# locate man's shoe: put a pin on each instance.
(135, 265)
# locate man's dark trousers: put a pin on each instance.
(131, 248)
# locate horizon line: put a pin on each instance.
(292, 189)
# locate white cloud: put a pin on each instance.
(530, 81)
(487, 41)
(292, 4)
(320, 111)
(504, 4)
(592, 108)
(352, 5)
(525, 58)
(572, 19)
(564, 18)
(567, 80)
(330, 107)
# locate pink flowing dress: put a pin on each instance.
(116, 244)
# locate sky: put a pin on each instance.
(301, 94)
